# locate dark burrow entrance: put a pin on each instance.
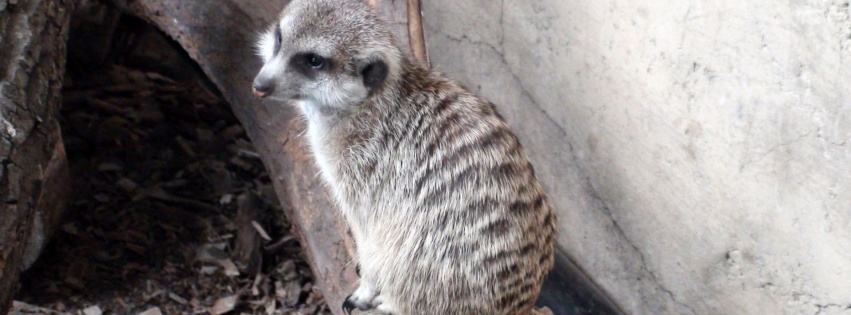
(172, 211)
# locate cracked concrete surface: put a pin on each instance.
(697, 151)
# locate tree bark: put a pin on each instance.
(33, 168)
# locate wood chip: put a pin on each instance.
(255, 291)
(127, 184)
(542, 311)
(151, 296)
(177, 298)
(232, 131)
(186, 147)
(93, 310)
(230, 267)
(260, 230)
(293, 292)
(270, 306)
(224, 305)
(152, 311)
(21, 308)
(210, 253)
(75, 283)
(208, 270)
(105, 106)
(245, 166)
(70, 228)
(110, 167)
(102, 198)
(287, 271)
(226, 199)
(280, 243)
(150, 112)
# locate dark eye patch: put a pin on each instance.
(309, 64)
(314, 61)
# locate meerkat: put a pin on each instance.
(443, 205)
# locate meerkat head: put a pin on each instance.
(327, 55)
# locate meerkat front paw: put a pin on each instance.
(363, 299)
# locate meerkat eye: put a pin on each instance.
(314, 60)
(309, 64)
(278, 39)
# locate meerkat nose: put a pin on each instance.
(260, 89)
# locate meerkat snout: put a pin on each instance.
(444, 207)
(261, 88)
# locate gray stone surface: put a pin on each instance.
(698, 151)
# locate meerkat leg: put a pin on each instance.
(363, 298)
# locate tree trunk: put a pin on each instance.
(34, 175)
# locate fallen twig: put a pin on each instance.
(415, 32)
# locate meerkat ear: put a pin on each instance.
(374, 73)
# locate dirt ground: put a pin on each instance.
(173, 211)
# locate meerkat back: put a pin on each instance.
(442, 203)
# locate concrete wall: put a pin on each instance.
(699, 152)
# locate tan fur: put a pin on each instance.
(442, 203)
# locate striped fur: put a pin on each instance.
(443, 205)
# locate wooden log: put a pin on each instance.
(34, 186)
(221, 39)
